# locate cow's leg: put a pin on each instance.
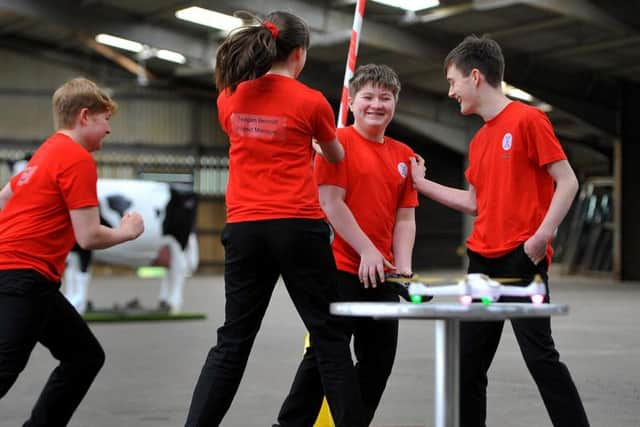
(175, 277)
(70, 272)
(82, 289)
(77, 277)
(192, 254)
(163, 297)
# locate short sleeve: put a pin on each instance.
(223, 98)
(77, 184)
(543, 146)
(469, 172)
(330, 173)
(324, 128)
(409, 194)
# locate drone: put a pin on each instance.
(473, 286)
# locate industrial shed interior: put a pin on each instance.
(576, 60)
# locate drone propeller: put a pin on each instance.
(415, 279)
(434, 280)
(506, 279)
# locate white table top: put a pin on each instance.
(476, 311)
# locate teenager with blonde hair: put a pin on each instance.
(45, 209)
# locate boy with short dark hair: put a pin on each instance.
(44, 210)
(521, 187)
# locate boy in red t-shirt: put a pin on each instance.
(520, 189)
(370, 202)
(44, 210)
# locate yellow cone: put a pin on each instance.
(324, 416)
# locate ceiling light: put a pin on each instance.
(544, 107)
(171, 56)
(412, 5)
(119, 42)
(209, 18)
(514, 92)
(520, 94)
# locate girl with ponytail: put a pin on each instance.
(275, 226)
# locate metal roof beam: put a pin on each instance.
(67, 14)
(582, 10)
(331, 21)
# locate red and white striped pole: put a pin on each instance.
(358, 19)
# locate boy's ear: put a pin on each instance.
(83, 116)
(476, 76)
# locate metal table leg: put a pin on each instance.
(447, 372)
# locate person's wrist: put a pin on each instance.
(543, 235)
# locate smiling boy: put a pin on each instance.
(521, 186)
(369, 200)
(44, 210)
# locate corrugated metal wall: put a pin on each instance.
(25, 116)
(146, 115)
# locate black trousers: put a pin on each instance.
(33, 310)
(374, 342)
(479, 342)
(256, 254)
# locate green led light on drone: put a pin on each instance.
(151, 272)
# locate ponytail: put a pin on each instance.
(250, 51)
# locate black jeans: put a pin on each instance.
(479, 342)
(256, 254)
(33, 310)
(374, 343)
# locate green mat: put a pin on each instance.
(140, 317)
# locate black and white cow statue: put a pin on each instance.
(169, 213)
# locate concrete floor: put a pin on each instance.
(151, 368)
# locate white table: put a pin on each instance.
(447, 337)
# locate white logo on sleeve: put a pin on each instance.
(403, 169)
(507, 140)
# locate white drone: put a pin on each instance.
(474, 286)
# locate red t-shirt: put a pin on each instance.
(270, 122)
(375, 179)
(507, 166)
(35, 226)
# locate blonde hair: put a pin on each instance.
(75, 95)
